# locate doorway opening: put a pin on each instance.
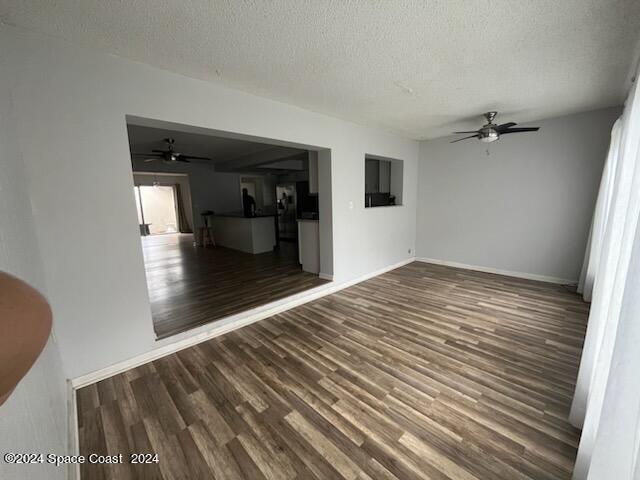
(156, 207)
(207, 256)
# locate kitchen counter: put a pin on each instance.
(241, 215)
(247, 234)
(309, 244)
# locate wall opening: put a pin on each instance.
(216, 257)
(383, 181)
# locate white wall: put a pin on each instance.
(34, 418)
(525, 208)
(71, 105)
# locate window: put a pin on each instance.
(382, 181)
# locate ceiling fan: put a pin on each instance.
(491, 132)
(169, 155)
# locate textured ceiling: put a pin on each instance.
(420, 68)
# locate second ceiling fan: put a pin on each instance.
(169, 155)
(491, 132)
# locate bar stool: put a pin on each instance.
(206, 232)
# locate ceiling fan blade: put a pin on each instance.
(464, 138)
(182, 159)
(471, 131)
(145, 154)
(504, 126)
(523, 129)
(160, 151)
(193, 157)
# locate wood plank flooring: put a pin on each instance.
(425, 372)
(190, 286)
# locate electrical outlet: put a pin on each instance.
(350, 205)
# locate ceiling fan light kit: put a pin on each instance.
(491, 132)
(488, 135)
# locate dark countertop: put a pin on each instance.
(241, 215)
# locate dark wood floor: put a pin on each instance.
(190, 286)
(424, 372)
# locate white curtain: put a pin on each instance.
(614, 453)
(593, 254)
(609, 281)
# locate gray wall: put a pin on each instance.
(71, 106)
(34, 418)
(525, 208)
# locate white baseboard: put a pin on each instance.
(375, 273)
(228, 325)
(325, 276)
(508, 273)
